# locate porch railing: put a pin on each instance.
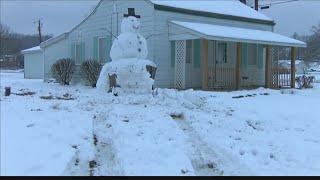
(222, 78)
(281, 77)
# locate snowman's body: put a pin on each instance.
(129, 45)
(128, 53)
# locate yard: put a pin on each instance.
(48, 129)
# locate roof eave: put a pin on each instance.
(53, 40)
(274, 43)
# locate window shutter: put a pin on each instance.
(260, 56)
(83, 49)
(95, 48)
(244, 55)
(73, 52)
(196, 53)
(108, 47)
(173, 53)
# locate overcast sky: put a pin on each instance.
(62, 15)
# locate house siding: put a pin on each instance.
(33, 65)
(52, 54)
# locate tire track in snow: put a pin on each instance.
(206, 161)
(108, 163)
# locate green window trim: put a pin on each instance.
(73, 52)
(173, 53)
(108, 47)
(244, 55)
(107, 40)
(83, 52)
(78, 49)
(260, 56)
(196, 53)
(95, 48)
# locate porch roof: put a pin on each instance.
(228, 33)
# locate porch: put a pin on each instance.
(212, 57)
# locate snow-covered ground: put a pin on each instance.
(66, 130)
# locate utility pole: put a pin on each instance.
(39, 30)
(243, 1)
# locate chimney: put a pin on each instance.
(243, 1)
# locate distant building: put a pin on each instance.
(301, 67)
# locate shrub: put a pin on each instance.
(63, 70)
(91, 70)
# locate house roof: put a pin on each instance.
(53, 40)
(31, 50)
(235, 34)
(232, 9)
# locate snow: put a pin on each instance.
(288, 62)
(314, 66)
(235, 33)
(37, 48)
(37, 135)
(233, 8)
(132, 76)
(266, 132)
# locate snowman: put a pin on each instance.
(129, 70)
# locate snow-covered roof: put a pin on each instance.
(235, 34)
(33, 49)
(230, 7)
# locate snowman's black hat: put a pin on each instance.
(131, 12)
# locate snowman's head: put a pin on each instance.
(130, 24)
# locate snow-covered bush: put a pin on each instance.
(305, 81)
(63, 70)
(91, 70)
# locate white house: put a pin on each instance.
(196, 44)
(33, 63)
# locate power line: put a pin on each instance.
(276, 3)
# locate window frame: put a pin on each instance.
(225, 52)
(99, 60)
(76, 49)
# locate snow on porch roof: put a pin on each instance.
(235, 34)
(232, 8)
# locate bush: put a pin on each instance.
(91, 70)
(63, 70)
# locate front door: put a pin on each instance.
(221, 70)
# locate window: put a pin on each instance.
(222, 52)
(102, 50)
(252, 54)
(78, 54)
(189, 51)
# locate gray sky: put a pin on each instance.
(62, 15)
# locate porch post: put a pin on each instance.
(238, 66)
(267, 68)
(293, 67)
(204, 64)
